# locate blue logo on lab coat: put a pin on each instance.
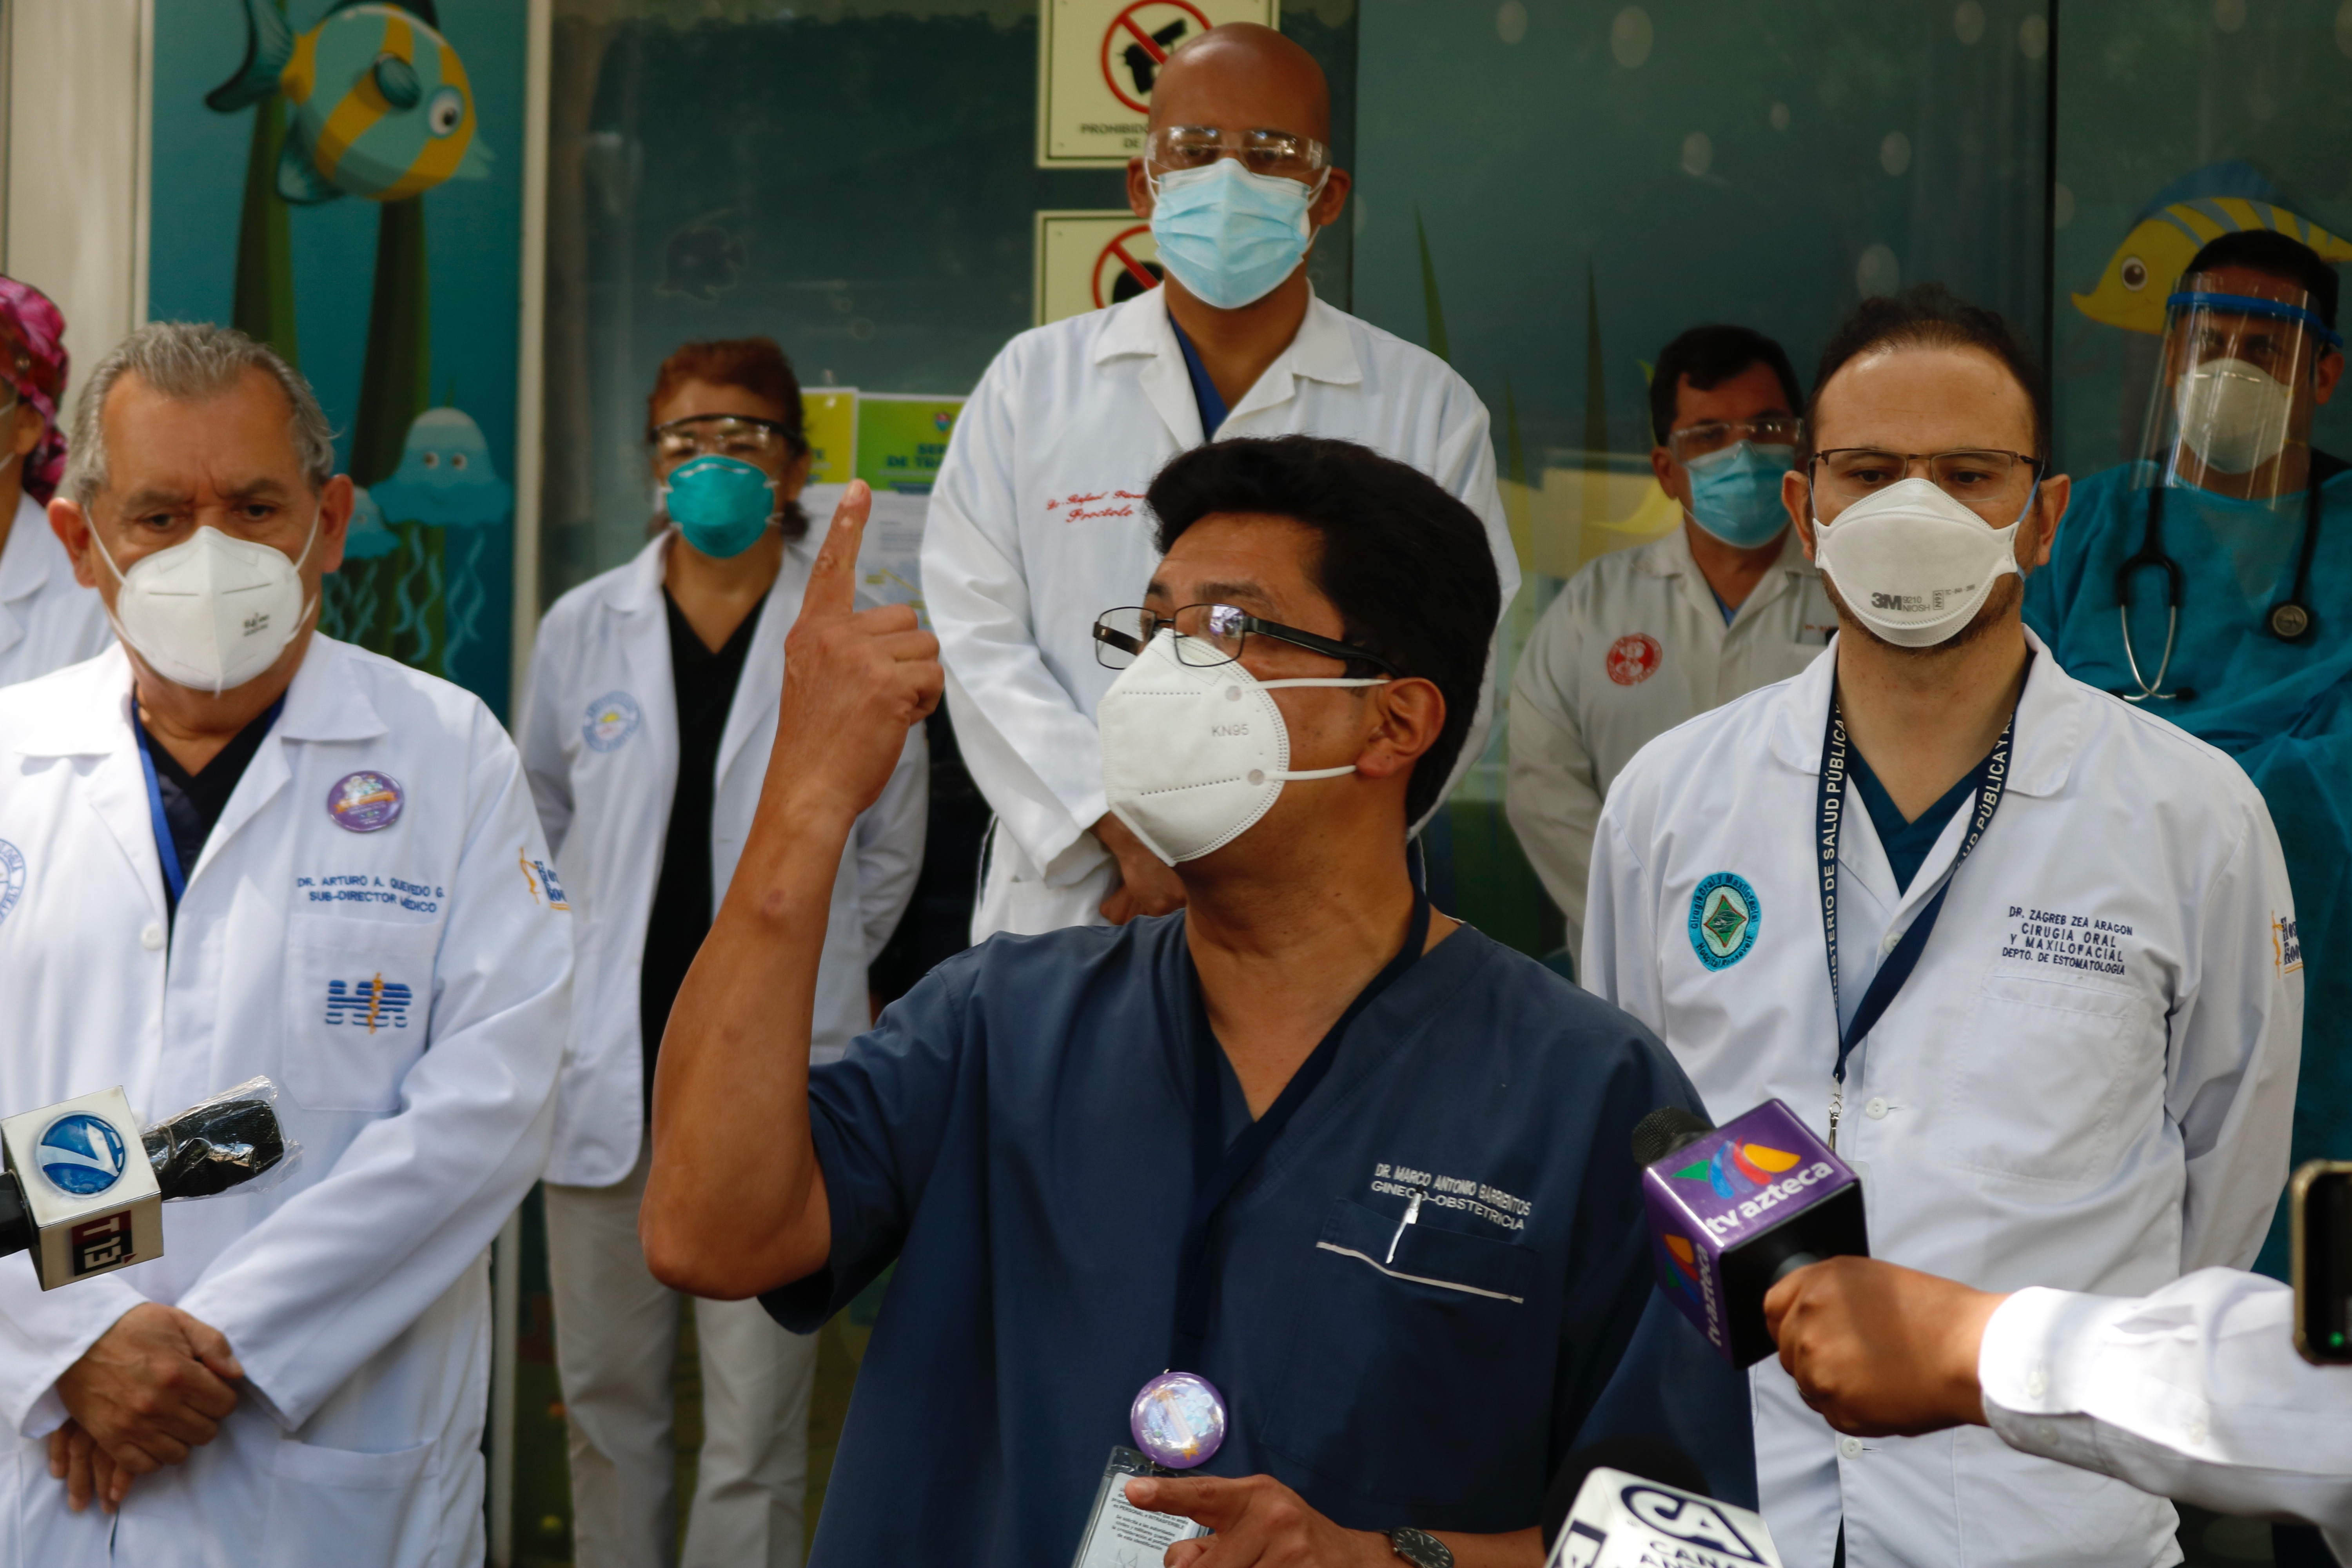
(1724, 915)
(81, 1154)
(611, 720)
(12, 876)
(371, 1004)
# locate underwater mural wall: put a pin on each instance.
(342, 179)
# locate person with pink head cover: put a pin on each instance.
(46, 619)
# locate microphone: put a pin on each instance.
(1734, 1209)
(1651, 1458)
(74, 1197)
(1625, 1520)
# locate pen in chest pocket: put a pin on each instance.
(1412, 1216)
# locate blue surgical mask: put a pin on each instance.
(1228, 235)
(722, 505)
(1736, 493)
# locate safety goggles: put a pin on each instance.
(1699, 440)
(1992, 483)
(1208, 636)
(724, 435)
(1174, 147)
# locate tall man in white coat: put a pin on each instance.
(235, 847)
(1037, 524)
(2024, 954)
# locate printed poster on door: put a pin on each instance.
(1091, 261)
(1098, 61)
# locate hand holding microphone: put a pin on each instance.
(1882, 1351)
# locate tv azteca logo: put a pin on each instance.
(1737, 1170)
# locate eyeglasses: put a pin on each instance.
(1208, 636)
(1992, 483)
(722, 434)
(1699, 440)
(1174, 147)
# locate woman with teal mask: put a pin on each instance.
(646, 730)
(2209, 582)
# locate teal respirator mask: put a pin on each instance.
(722, 505)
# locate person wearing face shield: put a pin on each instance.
(1305, 1188)
(47, 620)
(232, 847)
(2209, 582)
(2011, 945)
(1642, 639)
(648, 720)
(1037, 521)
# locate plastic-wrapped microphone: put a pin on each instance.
(83, 1204)
(1735, 1208)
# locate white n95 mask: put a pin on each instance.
(1192, 756)
(2233, 415)
(1912, 564)
(211, 613)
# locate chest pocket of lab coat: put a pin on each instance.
(2045, 1083)
(358, 1003)
(1383, 1345)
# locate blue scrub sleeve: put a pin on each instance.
(1673, 1387)
(879, 1117)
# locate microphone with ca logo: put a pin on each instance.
(84, 1182)
(1637, 1505)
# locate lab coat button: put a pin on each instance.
(1850, 1447)
(1875, 1110)
(1887, 943)
(2195, 1434)
(152, 936)
(2037, 1383)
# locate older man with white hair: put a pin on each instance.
(232, 847)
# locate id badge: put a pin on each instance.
(1121, 1535)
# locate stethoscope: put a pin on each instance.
(2290, 620)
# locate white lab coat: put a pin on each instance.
(604, 797)
(47, 620)
(1635, 643)
(2023, 1113)
(356, 1293)
(2194, 1393)
(1037, 525)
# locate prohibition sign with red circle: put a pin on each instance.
(1125, 29)
(1120, 258)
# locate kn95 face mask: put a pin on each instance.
(2233, 415)
(1912, 564)
(1193, 755)
(211, 613)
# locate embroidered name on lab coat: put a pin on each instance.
(2060, 940)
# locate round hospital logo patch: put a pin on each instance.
(12, 876)
(1633, 658)
(365, 802)
(611, 720)
(1724, 915)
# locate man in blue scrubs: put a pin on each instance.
(1412, 1298)
(2245, 638)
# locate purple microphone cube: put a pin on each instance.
(1735, 1208)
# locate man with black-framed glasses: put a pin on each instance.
(1037, 522)
(2025, 955)
(1642, 639)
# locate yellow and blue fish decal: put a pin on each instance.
(381, 105)
(2221, 198)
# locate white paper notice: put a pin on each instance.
(1121, 1535)
(890, 559)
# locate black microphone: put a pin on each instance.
(1733, 1210)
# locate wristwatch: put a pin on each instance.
(1420, 1548)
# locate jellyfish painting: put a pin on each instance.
(350, 593)
(446, 481)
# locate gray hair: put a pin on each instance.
(192, 361)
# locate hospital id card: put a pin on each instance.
(1121, 1535)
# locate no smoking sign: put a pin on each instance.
(1087, 261)
(1098, 62)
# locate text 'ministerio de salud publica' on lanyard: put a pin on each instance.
(1991, 781)
(1179, 1417)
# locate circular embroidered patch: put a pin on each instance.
(1724, 915)
(12, 876)
(611, 720)
(1633, 658)
(365, 802)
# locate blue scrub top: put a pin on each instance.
(1016, 1136)
(2282, 710)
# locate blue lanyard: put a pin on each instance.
(1218, 1169)
(1992, 780)
(165, 845)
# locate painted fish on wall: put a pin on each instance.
(381, 105)
(2220, 198)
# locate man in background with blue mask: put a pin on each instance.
(1037, 521)
(1642, 639)
(2209, 582)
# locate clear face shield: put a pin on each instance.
(2225, 450)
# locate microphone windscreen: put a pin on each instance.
(210, 1147)
(1664, 1130)
(1651, 1458)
